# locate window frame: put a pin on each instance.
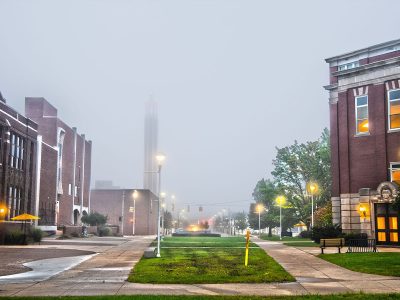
(391, 169)
(388, 110)
(356, 106)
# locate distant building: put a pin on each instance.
(134, 216)
(364, 98)
(64, 161)
(18, 136)
(105, 185)
(150, 146)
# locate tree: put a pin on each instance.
(323, 215)
(265, 193)
(94, 219)
(240, 221)
(167, 220)
(298, 164)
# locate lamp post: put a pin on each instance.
(163, 195)
(160, 160)
(135, 195)
(259, 209)
(280, 200)
(313, 188)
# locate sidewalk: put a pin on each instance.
(105, 274)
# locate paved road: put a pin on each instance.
(105, 274)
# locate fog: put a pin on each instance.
(233, 80)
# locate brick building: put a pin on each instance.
(364, 99)
(18, 136)
(64, 161)
(134, 213)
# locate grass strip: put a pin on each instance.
(188, 263)
(384, 263)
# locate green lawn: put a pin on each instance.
(150, 297)
(184, 260)
(373, 263)
(291, 241)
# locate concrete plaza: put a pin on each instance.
(106, 272)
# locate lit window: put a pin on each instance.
(395, 172)
(381, 223)
(381, 236)
(394, 109)
(362, 124)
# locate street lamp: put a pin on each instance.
(160, 158)
(259, 209)
(163, 195)
(313, 189)
(135, 196)
(280, 200)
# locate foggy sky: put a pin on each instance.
(233, 79)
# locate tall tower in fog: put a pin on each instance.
(150, 146)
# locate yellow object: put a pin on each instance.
(246, 257)
(381, 236)
(381, 223)
(259, 207)
(312, 188)
(363, 210)
(25, 217)
(280, 200)
(394, 237)
(393, 223)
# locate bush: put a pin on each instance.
(305, 234)
(15, 237)
(104, 231)
(94, 219)
(326, 232)
(36, 234)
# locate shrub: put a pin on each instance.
(94, 219)
(15, 237)
(36, 234)
(305, 234)
(104, 231)
(326, 232)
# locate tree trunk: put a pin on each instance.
(269, 231)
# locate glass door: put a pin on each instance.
(387, 224)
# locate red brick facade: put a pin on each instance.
(119, 205)
(361, 160)
(63, 149)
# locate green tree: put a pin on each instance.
(168, 220)
(94, 219)
(240, 221)
(265, 193)
(298, 164)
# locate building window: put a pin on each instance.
(362, 123)
(16, 152)
(395, 172)
(394, 109)
(348, 66)
(70, 189)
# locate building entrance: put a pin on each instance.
(387, 224)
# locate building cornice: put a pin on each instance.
(363, 50)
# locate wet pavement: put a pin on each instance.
(106, 274)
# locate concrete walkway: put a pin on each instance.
(105, 274)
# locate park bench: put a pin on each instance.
(150, 252)
(362, 245)
(325, 243)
